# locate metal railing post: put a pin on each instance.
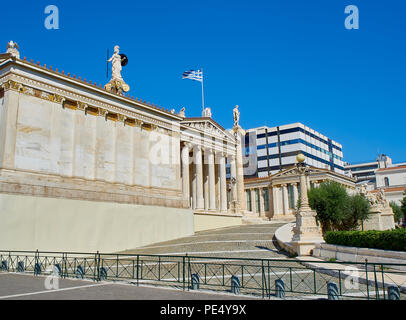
(383, 282)
(159, 268)
(291, 279)
(138, 267)
(366, 276)
(262, 285)
(314, 280)
(117, 267)
(376, 285)
(183, 263)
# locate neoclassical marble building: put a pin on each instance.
(275, 197)
(84, 168)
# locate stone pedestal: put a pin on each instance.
(381, 218)
(306, 232)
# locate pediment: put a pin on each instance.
(207, 126)
(293, 171)
(5, 57)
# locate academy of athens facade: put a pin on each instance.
(84, 169)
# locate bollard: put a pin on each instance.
(103, 273)
(79, 272)
(332, 291)
(393, 293)
(20, 266)
(195, 281)
(37, 269)
(235, 285)
(280, 288)
(4, 266)
(57, 270)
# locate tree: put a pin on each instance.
(397, 211)
(336, 209)
(403, 208)
(357, 210)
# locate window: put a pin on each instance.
(386, 181)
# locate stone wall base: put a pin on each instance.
(55, 224)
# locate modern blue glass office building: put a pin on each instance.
(273, 149)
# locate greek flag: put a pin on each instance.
(193, 75)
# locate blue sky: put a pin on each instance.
(281, 61)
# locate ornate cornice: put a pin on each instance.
(53, 94)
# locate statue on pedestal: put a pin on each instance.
(116, 83)
(381, 217)
(12, 48)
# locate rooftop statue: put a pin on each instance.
(236, 115)
(116, 64)
(12, 48)
(207, 112)
(116, 83)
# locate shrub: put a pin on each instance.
(387, 240)
(336, 209)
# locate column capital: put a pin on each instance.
(188, 145)
(82, 106)
(208, 150)
(220, 153)
(121, 118)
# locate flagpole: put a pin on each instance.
(202, 94)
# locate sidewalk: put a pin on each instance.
(385, 278)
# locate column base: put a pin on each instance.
(305, 247)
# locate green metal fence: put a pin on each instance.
(301, 279)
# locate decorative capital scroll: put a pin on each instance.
(82, 106)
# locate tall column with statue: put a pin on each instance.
(239, 134)
(306, 232)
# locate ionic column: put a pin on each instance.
(295, 193)
(270, 202)
(223, 183)
(285, 199)
(205, 183)
(197, 153)
(233, 174)
(275, 200)
(185, 171)
(261, 202)
(212, 182)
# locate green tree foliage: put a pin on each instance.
(403, 206)
(397, 211)
(336, 209)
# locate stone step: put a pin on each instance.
(254, 220)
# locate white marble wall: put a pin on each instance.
(62, 141)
